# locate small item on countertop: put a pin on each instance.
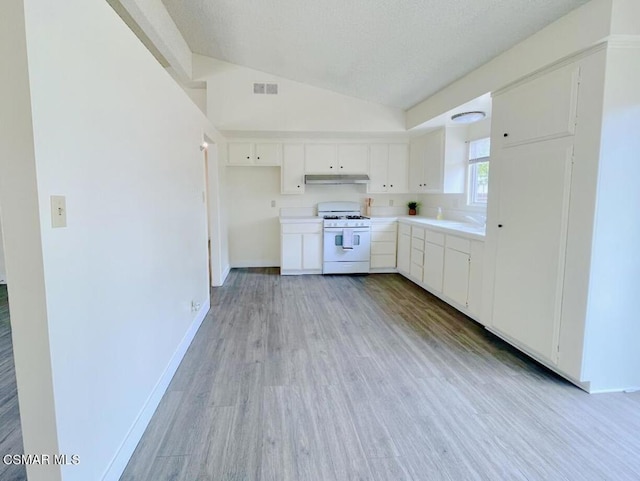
(413, 207)
(439, 215)
(367, 206)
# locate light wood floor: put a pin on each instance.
(10, 432)
(342, 378)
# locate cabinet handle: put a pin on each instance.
(331, 166)
(342, 166)
(298, 187)
(247, 156)
(506, 134)
(384, 185)
(391, 185)
(499, 225)
(258, 158)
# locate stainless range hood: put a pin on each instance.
(336, 179)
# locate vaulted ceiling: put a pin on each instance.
(393, 52)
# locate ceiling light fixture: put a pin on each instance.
(468, 117)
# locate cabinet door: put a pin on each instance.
(533, 195)
(397, 169)
(379, 157)
(312, 251)
(291, 252)
(433, 266)
(404, 253)
(542, 108)
(320, 159)
(434, 161)
(292, 175)
(456, 276)
(240, 153)
(417, 152)
(268, 154)
(353, 158)
(474, 299)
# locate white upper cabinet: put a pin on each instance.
(388, 166)
(438, 162)
(353, 158)
(240, 153)
(251, 153)
(268, 154)
(331, 158)
(542, 108)
(321, 159)
(292, 174)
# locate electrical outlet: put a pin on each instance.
(273, 203)
(195, 306)
(391, 203)
(58, 211)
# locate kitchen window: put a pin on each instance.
(478, 171)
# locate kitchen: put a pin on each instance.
(435, 361)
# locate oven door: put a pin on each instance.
(334, 250)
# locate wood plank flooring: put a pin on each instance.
(341, 378)
(10, 431)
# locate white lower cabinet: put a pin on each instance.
(449, 266)
(433, 260)
(474, 298)
(384, 235)
(301, 248)
(456, 276)
(404, 249)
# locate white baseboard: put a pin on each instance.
(260, 263)
(225, 274)
(122, 456)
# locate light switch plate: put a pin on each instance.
(58, 211)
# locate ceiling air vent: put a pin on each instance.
(272, 89)
(258, 88)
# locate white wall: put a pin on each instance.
(612, 321)
(254, 229)
(232, 105)
(576, 31)
(115, 135)
(23, 247)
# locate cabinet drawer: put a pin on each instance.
(417, 244)
(384, 227)
(384, 236)
(459, 244)
(416, 272)
(434, 237)
(417, 257)
(417, 232)
(404, 229)
(310, 228)
(383, 248)
(379, 261)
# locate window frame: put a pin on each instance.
(471, 173)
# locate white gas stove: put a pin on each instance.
(347, 238)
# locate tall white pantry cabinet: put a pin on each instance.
(563, 227)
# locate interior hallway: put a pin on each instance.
(339, 378)
(10, 432)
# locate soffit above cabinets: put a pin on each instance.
(391, 53)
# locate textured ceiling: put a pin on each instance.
(393, 52)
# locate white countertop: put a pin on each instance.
(472, 231)
(299, 219)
